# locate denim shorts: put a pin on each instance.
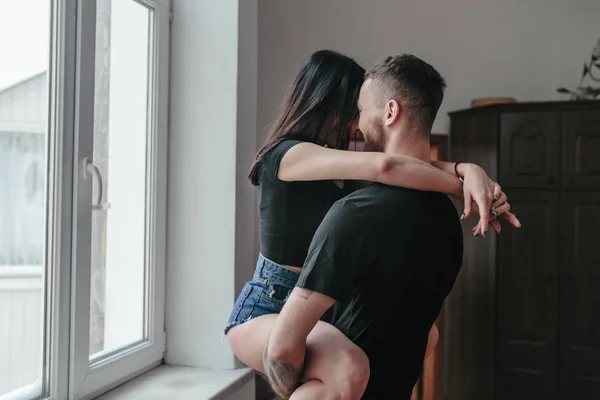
(265, 294)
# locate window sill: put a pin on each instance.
(174, 382)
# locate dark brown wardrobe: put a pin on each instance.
(523, 321)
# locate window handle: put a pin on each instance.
(94, 171)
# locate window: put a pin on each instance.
(83, 125)
(23, 154)
(121, 160)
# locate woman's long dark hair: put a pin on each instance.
(320, 106)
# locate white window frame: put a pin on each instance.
(67, 373)
(87, 381)
(59, 216)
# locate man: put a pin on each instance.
(384, 257)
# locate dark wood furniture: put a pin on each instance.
(523, 320)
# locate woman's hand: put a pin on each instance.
(500, 208)
(478, 190)
(486, 196)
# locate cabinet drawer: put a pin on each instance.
(529, 150)
(581, 150)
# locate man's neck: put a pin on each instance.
(416, 146)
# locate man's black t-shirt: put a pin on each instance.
(389, 256)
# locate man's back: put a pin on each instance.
(397, 255)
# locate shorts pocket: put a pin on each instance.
(276, 293)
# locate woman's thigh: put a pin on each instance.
(330, 356)
(334, 359)
(248, 340)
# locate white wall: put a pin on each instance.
(522, 49)
(210, 205)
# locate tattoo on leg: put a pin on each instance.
(303, 293)
(282, 377)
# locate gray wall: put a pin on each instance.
(522, 49)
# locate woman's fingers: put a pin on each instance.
(500, 199)
(501, 209)
(512, 219)
(496, 225)
(468, 206)
(491, 206)
(497, 191)
(483, 201)
(508, 216)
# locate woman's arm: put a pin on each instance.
(448, 167)
(462, 168)
(309, 162)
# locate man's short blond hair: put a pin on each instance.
(412, 82)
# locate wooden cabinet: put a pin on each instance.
(580, 295)
(526, 341)
(523, 319)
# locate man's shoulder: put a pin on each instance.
(381, 195)
(372, 192)
(364, 209)
(379, 205)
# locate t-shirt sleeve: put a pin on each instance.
(273, 158)
(352, 186)
(338, 253)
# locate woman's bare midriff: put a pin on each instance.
(295, 269)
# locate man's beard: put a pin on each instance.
(374, 139)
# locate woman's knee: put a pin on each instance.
(333, 359)
(247, 340)
(354, 372)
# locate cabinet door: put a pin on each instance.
(526, 342)
(580, 296)
(581, 149)
(529, 150)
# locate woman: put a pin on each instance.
(294, 173)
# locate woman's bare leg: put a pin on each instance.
(340, 366)
(248, 340)
(434, 335)
(335, 368)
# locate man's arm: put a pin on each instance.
(329, 275)
(283, 356)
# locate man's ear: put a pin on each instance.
(393, 111)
